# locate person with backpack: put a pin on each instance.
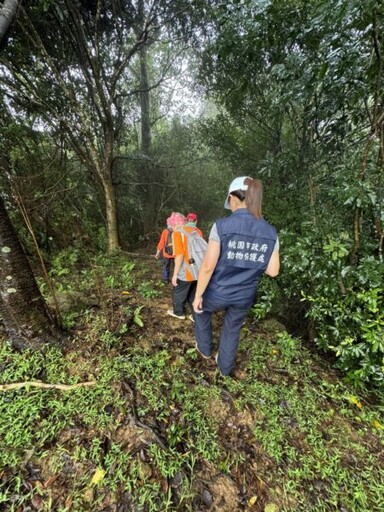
(241, 248)
(165, 249)
(188, 248)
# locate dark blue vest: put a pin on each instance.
(246, 248)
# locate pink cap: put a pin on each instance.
(175, 219)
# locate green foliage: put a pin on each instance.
(307, 428)
(303, 424)
(147, 290)
(108, 338)
(68, 320)
(267, 299)
(42, 414)
(64, 262)
(345, 303)
(137, 316)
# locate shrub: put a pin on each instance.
(345, 303)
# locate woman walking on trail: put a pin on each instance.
(241, 248)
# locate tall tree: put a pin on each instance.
(79, 84)
(308, 75)
(147, 166)
(75, 82)
(27, 320)
(23, 311)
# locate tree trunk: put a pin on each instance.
(7, 14)
(150, 196)
(111, 213)
(26, 318)
(146, 135)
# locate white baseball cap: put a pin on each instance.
(237, 184)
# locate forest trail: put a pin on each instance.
(163, 431)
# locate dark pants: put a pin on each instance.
(167, 264)
(230, 333)
(181, 294)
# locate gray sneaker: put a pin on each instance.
(217, 363)
(171, 313)
(202, 355)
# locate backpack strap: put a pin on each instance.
(185, 234)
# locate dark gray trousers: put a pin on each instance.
(167, 264)
(181, 294)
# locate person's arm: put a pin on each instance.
(273, 265)
(161, 244)
(207, 267)
(178, 251)
(178, 263)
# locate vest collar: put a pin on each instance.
(241, 211)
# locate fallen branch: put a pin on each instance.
(38, 384)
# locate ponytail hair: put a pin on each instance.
(254, 197)
(247, 190)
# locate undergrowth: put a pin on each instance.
(321, 444)
(159, 429)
